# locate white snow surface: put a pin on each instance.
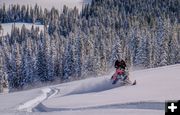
(47, 3)
(97, 96)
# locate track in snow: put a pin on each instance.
(136, 105)
(31, 104)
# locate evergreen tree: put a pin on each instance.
(41, 64)
(3, 75)
(78, 56)
(68, 62)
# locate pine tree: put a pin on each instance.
(164, 57)
(68, 62)
(49, 57)
(1, 71)
(27, 64)
(141, 56)
(41, 64)
(3, 80)
(78, 56)
(134, 44)
(16, 67)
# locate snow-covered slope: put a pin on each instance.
(97, 96)
(48, 3)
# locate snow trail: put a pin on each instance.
(136, 105)
(29, 105)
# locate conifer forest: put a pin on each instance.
(77, 44)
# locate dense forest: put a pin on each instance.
(77, 44)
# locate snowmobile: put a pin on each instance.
(122, 76)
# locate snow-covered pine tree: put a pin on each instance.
(150, 48)
(1, 70)
(27, 64)
(159, 35)
(68, 62)
(87, 54)
(78, 55)
(164, 57)
(3, 79)
(48, 57)
(16, 61)
(41, 62)
(134, 44)
(141, 56)
(116, 50)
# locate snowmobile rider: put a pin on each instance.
(121, 72)
(120, 64)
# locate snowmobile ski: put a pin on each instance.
(134, 83)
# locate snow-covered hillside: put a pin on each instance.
(48, 4)
(97, 96)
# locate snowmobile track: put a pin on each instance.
(31, 104)
(134, 105)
